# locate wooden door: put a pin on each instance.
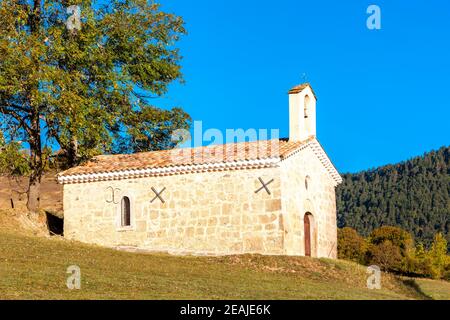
(307, 224)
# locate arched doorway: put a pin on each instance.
(308, 231)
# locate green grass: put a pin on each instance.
(34, 267)
(437, 290)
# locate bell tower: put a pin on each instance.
(302, 113)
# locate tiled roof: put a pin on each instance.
(226, 153)
(300, 88)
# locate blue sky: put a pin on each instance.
(383, 95)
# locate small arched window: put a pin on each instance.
(125, 217)
(306, 106)
(307, 182)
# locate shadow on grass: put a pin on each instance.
(411, 283)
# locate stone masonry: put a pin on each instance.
(210, 213)
(212, 208)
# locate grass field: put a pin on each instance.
(34, 266)
(437, 290)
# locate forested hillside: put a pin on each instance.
(414, 195)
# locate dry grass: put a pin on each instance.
(34, 267)
(15, 221)
(435, 289)
(51, 193)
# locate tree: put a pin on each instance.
(396, 236)
(351, 246)
(390, 248)
(386, 255)
(413, 195)
(438, 256)
(433, 263)
(418, 262)
(86, 85)
(13, 162)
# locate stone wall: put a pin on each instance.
(318, 198)
(211, 213)
(203, 213)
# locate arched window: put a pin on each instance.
(307, 182)
(306, 106)
(125, 217)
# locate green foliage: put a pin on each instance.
(351, 246)
(419, 262)
(90, 90)
(89, 86)
(13, 161)
(413, 195)
(389, 247)
(396, 236)
(433, 263)
(386, 255)
(446, 274)
(392, 249)
(438, 256)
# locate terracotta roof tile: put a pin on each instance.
(300, 88)
(257, 150)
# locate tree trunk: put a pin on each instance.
(72, 153)
(34, 193)
(36, 161)
(36, 164)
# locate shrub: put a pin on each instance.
(419, 262)
(438, 256)
(351, 246)
(433, 263)
(397, 236)
(446, 275)
(390, 249)
(386, 255)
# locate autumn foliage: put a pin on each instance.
(393, 250)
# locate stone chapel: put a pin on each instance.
(273, 197)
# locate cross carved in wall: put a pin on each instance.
(264, 186)
(158, 195)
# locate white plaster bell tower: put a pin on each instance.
(302, 113)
